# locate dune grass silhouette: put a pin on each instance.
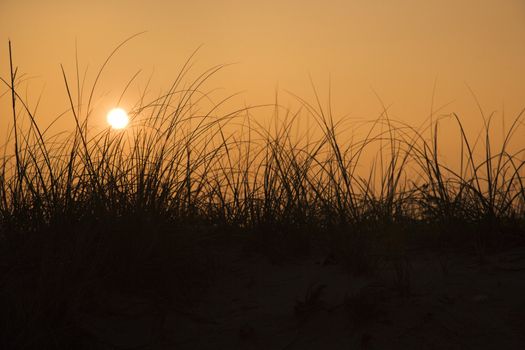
(150, 210)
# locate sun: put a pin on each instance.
(118, 118)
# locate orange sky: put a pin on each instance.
(397, 48)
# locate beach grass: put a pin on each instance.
(149, 210)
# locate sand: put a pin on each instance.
(427, 302)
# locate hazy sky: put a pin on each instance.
(397, 48)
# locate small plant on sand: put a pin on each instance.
(402, 276)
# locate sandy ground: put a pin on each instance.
(426, 303)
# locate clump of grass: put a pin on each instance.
(142, 211)
(402, 282)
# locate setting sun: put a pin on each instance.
(118, 118)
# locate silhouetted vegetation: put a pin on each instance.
(149, 210)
